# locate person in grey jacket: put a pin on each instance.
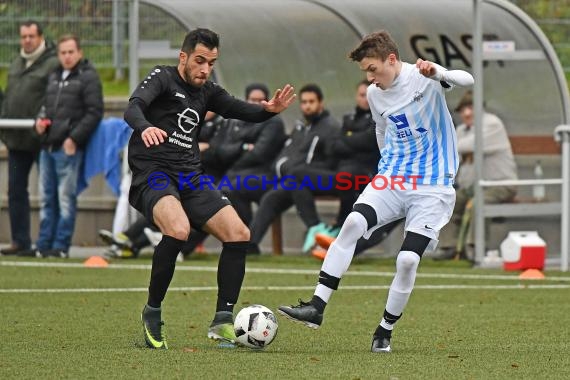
(498, 164)
(72, 110)
(24, 95)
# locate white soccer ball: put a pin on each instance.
(255, 326)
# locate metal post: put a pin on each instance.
(133, 44)
(562, 132)
(118, 39)
(478, 121)
(565, 201)
(133, 72)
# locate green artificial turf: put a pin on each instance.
(489, 330)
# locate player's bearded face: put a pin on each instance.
(381, 73)
(198, 66)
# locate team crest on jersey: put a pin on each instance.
(418, 96)
(188, 120)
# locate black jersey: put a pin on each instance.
(164, 100)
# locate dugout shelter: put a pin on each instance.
(302, 41)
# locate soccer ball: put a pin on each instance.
(255, 326)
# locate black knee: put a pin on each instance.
(415, 242)
(368, 212)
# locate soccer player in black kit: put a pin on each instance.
(164, 157)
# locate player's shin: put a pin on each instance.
(231, 270)
(163, 263)
(338, 259)
(401, 288)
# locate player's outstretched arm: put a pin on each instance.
(453, 77)
(281, 100)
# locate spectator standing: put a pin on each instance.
(25, 94)
(73, 109)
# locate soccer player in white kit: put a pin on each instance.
(417, 142)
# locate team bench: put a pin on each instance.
(520, 207)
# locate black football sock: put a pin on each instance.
(163, 263)
(231, 270)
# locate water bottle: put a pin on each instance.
(538, 191)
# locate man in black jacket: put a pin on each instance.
(73, 109)
(165, 111)
(308, 147)
(25, 94)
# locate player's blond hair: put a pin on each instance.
(375, 45)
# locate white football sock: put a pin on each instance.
(402, 285)
(341, 251)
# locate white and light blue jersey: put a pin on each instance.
(414, 129)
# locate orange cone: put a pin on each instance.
(96, 262)
(531, 274)
(324, 241)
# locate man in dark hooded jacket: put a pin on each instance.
(24, 95)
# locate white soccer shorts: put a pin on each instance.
(427, 208)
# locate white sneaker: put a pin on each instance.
(152, 236)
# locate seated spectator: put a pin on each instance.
(356, 154)
(308, 146)
(251, 147)
(212, 134)
(129, 243)
(245, 149)
(498, 164)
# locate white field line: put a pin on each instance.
(513, 277)
(288, 288)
